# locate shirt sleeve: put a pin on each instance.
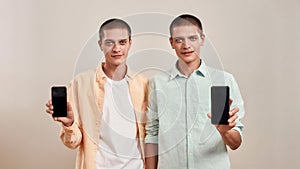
(152, 125)
(71, 136)
(237, 102)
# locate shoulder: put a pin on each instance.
(86, 77)
(141, 78)
(162, 76)
(218, 76)
(214, 71)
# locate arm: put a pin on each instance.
(231, 133)
(230, 136)
(70, 134)
(152, 126)
(151, 156)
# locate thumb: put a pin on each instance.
(61, 119)
(69, 107)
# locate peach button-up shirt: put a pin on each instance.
(86, 94)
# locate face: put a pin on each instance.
(115, 45)
(186, 41)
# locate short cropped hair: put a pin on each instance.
(185, 19)
(112, 24)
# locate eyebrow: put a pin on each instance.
(116, 40)
(122, 40)
(187, 36)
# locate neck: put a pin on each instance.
(115, 72)
(188, 68)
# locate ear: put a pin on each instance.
(202, 39)
(130, 42)
(100, 44)
(171, 42)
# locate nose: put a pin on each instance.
(186, 45)
(116, 48)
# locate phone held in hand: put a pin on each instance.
(59, 101)
(220, 105)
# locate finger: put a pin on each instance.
(209, 115)
(234, 111)
(49, 111)
(230, 101)
(231, 125)
(233, 118)
(49, 103)
(50, 108)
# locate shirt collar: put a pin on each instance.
(100, 75)
(201, 71)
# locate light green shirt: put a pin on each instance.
(178, 121)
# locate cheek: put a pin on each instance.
(126, 49)
(107, 49)
(177, 47)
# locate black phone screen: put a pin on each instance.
(219, 105)
(59, 101)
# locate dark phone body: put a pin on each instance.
(220, 105)
(59, 101)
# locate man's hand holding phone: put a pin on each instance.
(66, 121)
(225, 119)
(231, 121)
(58, 107)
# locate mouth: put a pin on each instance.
(187, 53)
(117, 56)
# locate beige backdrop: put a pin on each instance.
(257, 40)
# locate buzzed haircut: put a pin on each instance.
(185, 19)
(112, 24)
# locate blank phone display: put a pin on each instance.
(220, 105)
(59, 101)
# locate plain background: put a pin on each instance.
(257, 41)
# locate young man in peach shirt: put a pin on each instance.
(106, 107)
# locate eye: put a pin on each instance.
(123, 42)
(109, 43)
(193, 38)
(178, 40)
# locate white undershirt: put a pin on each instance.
(118, 145)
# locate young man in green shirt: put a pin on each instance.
(179, 133)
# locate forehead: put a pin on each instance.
(115, 34)
(185, 31)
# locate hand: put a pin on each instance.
(66, 121)
(232, 138)
(232, 117)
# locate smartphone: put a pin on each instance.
(59, 101)
(220, 105)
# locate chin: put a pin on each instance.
(119, 62)
(188, 58)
